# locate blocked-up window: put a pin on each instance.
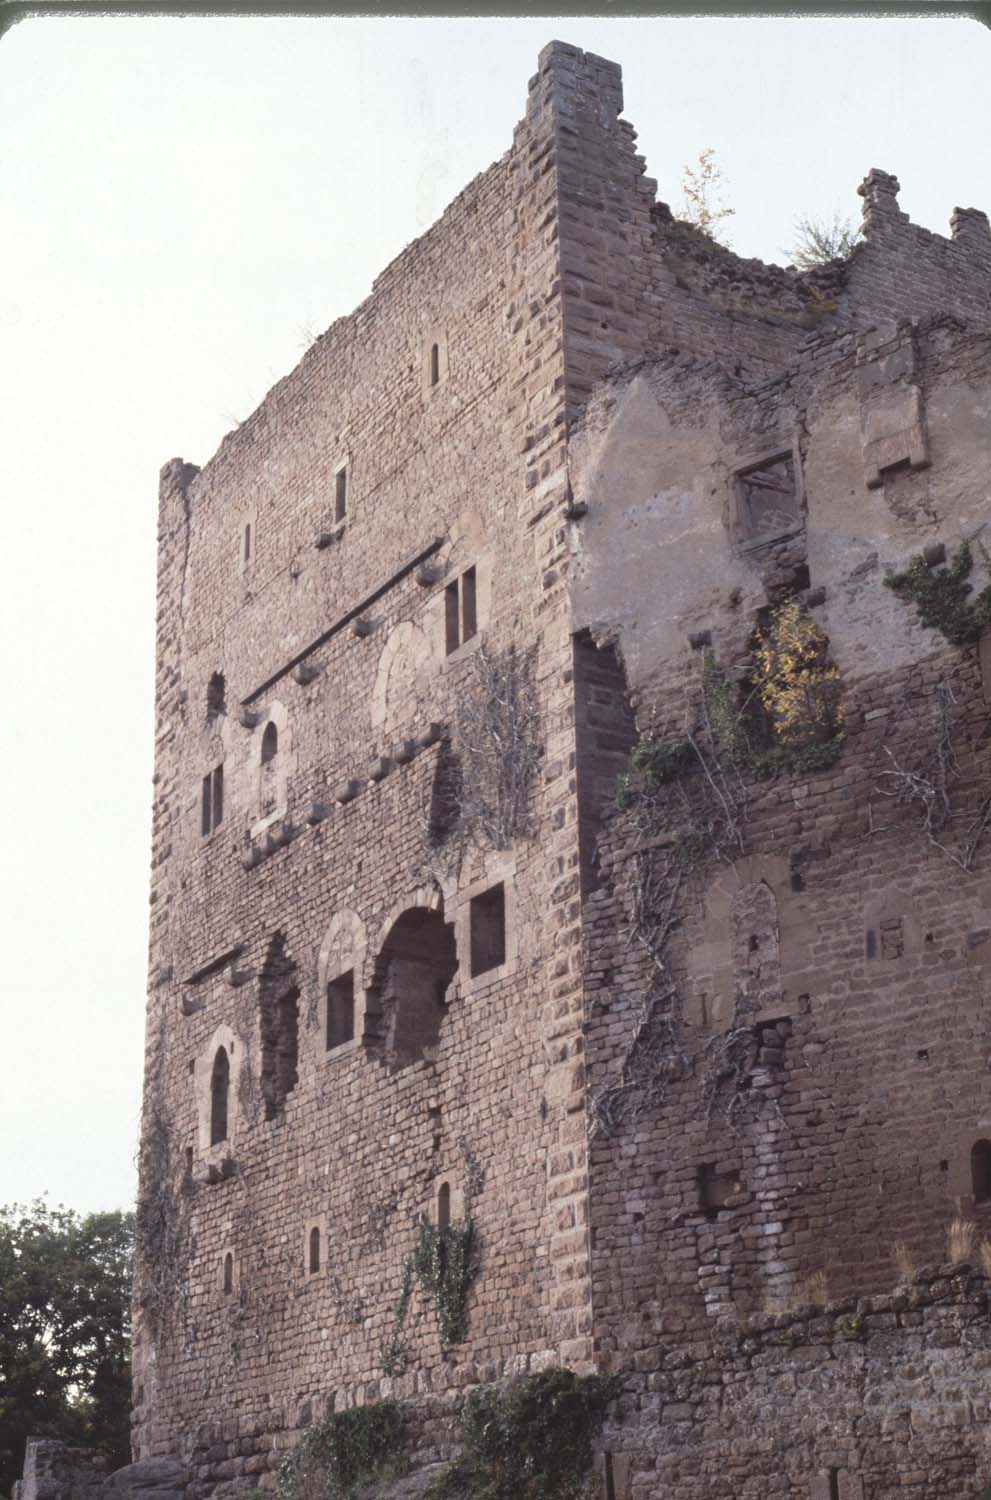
(220, 1082)
(212, 801)
(340, 1010)
(487, 919)
(768, 500)
(461, 610)
(715, 1188)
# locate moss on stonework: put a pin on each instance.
(528, 1440)
(342, 1455)
(942, 597)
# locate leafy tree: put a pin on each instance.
(702, 196)
(65, 1287)
(818, 242)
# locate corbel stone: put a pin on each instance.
(249, 718)
(305, 672)
(346, 791)
(404, 752)
(315, 812)
(430, 736)
(362, 626)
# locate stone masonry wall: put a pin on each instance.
(544, 416)
(336, 635)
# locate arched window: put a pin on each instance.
(228, 1274)
(314, 1250)
(270, 744)
(417, 962)
(980, 1170)
(444, 1206)
(219, 1090)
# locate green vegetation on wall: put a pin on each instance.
(528, 1440)
(341, 1455)
(942, 597)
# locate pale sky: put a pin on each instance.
(183, 203)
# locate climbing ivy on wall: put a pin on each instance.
(338, 1457)
(444, 1263)
(531, 1438)
(942, 597)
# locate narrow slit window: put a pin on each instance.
(219, 1093)
(980, 1171)
(270, 744)
(228, 1274)
(212, 801)
(216, 696)
(444, 1206)
(341, 494)
(340, 1010)
(314, 1251)
(488, 930)
(469, 616)
(451, 623)
(247, 542)
(434, 364)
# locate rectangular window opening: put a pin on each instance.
(769, 502)
(247, 542)
(341, 494)
(340, 1010)
(434, 363)
(469, 615)
(487, 914)
(451, 618)
(212, 801)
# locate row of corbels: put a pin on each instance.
(191, 1005)
(345, 791)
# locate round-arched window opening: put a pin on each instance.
(314, 1250)
(228, 1274)
(417, 962)
(270, 744)
(980, 1170)
(220, 1080)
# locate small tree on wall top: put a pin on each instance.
(702, 189)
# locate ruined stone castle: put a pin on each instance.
(572, 846)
